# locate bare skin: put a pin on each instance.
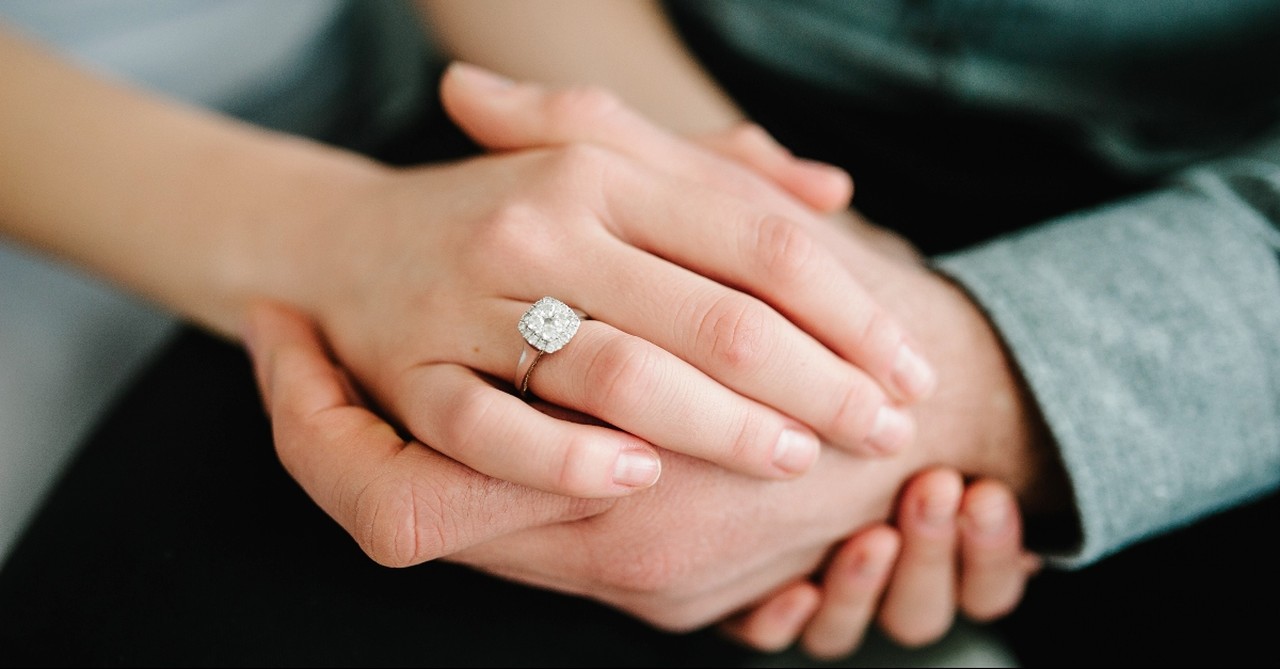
(649, 553)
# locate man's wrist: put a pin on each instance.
(983, 419)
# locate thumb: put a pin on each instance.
(403, 502)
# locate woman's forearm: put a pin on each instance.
(628, 47)
(180, 205)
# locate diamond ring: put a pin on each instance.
(546, 327)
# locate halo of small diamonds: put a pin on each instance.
(548, 325)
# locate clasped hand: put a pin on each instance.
(725, 343)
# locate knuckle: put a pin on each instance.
(576, 476)
(733, 333)
(855, 411)
(749, 444)
(579, 158)
(387, 523)
(879, 337)
(513, 231)
(577, 176)
(582, 105)
(581, 508)
(467, 415)
(784, 251)
(293, 432)
(619, 373)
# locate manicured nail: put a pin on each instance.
(990, 516)
(914, 377)
(638, 469)
(891, 431)
(939, 507)
(864, 567)
(479, 77)
(795, 451)
(789, 612)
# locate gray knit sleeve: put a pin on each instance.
(1149, 334)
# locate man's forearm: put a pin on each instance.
(982, 420)
(1147, 331)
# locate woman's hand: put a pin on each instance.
(682, 554)
(650, 554)
(955, 546)
(688, 552)
(712, 331)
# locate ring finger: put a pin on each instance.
(602, 372)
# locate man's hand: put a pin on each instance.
(705, 541)
(711, 333)
(951, 548)
(699, 544)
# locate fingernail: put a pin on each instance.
(991, 516)
(891, 430)
(863, 567)
(479, 77)
(637, 469)
(938, 509)
(790, 611)
(914, 377)
(795, 451)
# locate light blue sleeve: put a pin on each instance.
(1149, 334)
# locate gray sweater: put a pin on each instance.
(1148, 330)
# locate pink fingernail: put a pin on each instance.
(795, 451)
(990, 516)
(862, 566)
(891, 430)
(637, 469)
(939, 508)
(914, 377)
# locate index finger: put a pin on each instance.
(401, 501)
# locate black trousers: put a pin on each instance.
(176, 538)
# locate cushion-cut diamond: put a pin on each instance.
(549, 324)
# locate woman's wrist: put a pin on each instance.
(190, 209)
(296, 226)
